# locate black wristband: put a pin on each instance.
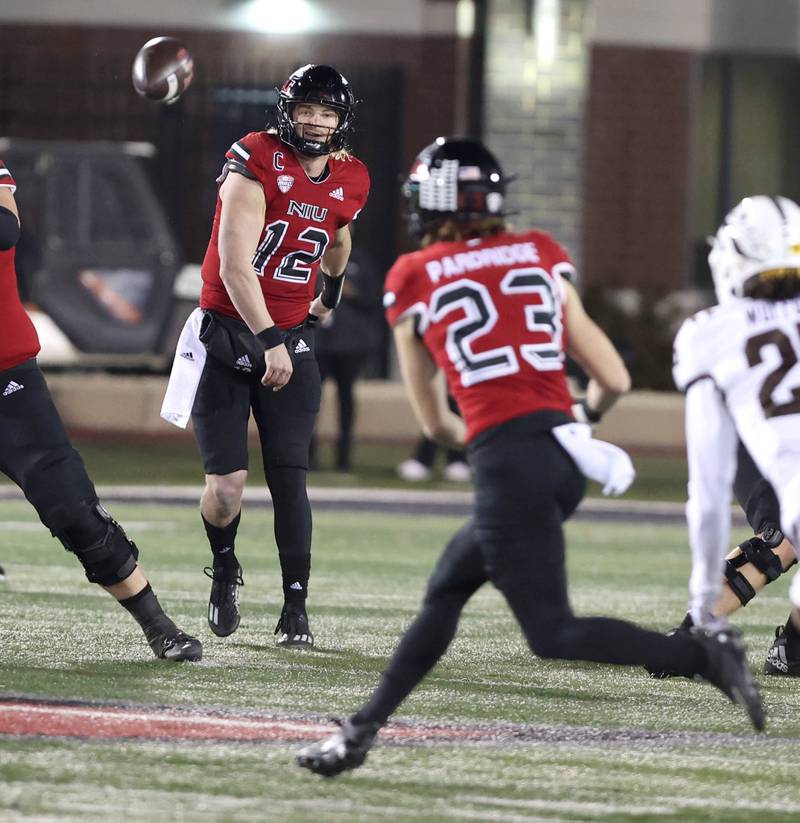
(592, 415)
(9, 229)
(331, 290)
(270, 337)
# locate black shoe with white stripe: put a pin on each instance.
(345, 749)
(778, 660)
(293, 627)
(177, 646)
(223, 604)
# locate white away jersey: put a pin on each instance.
(750, 350)
(738, 364)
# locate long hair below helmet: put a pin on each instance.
(322, 85)
(453, 179)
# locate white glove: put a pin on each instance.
(604, 462)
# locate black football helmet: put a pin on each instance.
(455, 178)
(316, 84)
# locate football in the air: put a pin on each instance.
(162, 70)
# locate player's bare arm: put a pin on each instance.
(333, 264)
(426, 390)
(241, 224)
(595, 353)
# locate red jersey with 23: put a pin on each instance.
(301, 220)
(490, 311)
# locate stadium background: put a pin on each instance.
(632, 126)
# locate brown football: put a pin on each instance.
(162, 70)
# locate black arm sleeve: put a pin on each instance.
(331, 292)
(9, 229)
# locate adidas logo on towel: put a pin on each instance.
(12, 386)
(337, 194)
(244, 364)
(301, 346)
(188, 355)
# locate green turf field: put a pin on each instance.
(673, 749)
(113, 460)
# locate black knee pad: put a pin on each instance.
(760, 552)
(101, 545)
(65, 499)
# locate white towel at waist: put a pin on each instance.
(604, 462)
(187, 367)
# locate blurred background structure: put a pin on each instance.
(633, 125)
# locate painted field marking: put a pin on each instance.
(27, 717)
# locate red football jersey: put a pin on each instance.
(18, 339)
(301, 219)
(490, 311)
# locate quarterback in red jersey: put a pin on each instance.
(286, 199)
(37, 455)
(497, 313)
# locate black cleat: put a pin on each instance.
(345, 749)
(664, 674)
(729, 672)
(223, 604)
(778, 661)
(177, 646)
(293, 627)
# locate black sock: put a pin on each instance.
(792, 639)
(148, 613)
(222, 539)
(295, 580)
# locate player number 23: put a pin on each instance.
(479, 316)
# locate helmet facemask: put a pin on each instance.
(324, 86)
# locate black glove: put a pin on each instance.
(584, 413)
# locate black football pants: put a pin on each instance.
(525, 487)
(755, 494)
(35, 451)
(285, 419)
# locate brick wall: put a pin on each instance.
(534, 115)
(637, 168)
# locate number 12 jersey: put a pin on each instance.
(301, 220)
